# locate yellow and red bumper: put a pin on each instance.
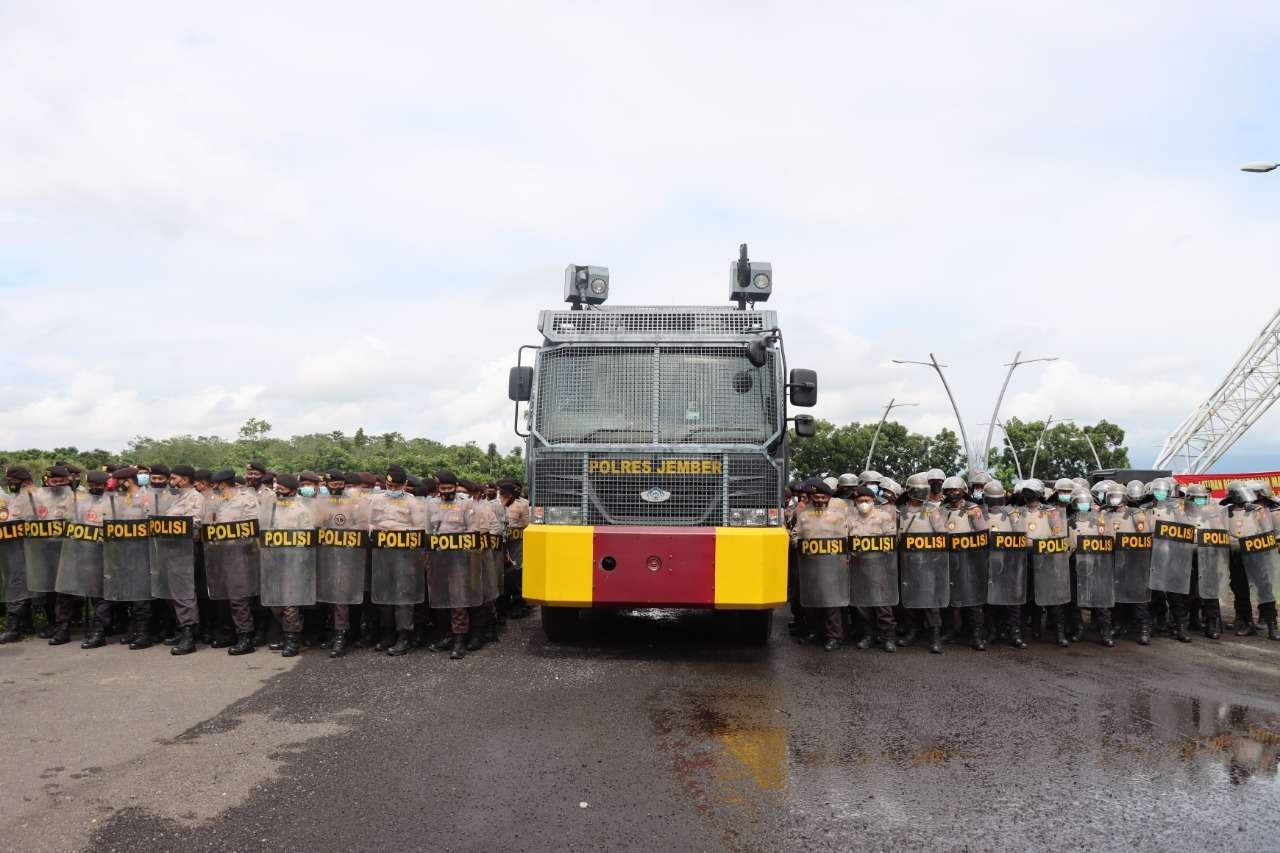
(725, 567)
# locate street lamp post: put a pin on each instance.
(1017, 462)
(995, 414)
(933, 362)
(887, 409)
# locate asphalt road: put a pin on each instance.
(648, 734)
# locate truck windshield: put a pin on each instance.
(666, 394)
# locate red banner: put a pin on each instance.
(1217, 483)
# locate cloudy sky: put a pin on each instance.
(343, 215)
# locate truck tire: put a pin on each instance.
(755, 627)
(559, 624)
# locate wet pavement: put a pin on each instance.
(652, 733)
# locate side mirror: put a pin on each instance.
(803, 385)
(806, 427)
(520, 384)
(757, 353)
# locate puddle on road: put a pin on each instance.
(739, 750)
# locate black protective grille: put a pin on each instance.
(664, 489)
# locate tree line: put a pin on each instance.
(1061, 451)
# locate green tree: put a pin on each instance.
(898, 451)
(1064, 450)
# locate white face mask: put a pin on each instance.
(865, 507)
(1115, 500)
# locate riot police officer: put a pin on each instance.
(1211, 571)
(1007, 562)
(1092, 544)
(1253, 559)
(873, 569)
(923, 578)
(967, 547)
(820, 537)
(1049, 574)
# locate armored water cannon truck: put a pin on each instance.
(656, 444)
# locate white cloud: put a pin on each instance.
(350, 220)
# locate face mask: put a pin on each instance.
(1202, 501)
(57, 490)
(307, 491)
(978, 494)
(1064, 498)
(1115, 500)
(1160, 495)
(12, 486)
(395, 493)
(448, 497)
(864, 507)
(96, 491)
(324, 490)
(144, 479)
(1083, 506)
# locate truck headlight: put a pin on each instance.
(752, 517)
(560, 515)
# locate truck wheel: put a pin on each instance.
(560, 624)
(755, 626)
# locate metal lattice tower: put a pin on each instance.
(1244, 396)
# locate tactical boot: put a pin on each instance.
(404, 640)
(909, 637)
(12, 631)
(368, 635)
(1180, 632)
(475, 643)
(864, 642)
(1077, 633)
(244, 645)
(459, 647)
(1060, 635)
(221, 640)
(186, 643)
(1197, 622)
(277, 645)
(979, 639)
(141, 637)
(888, 644)
(1213, 627)
(1144, 634)
(1273, 633)
(291, 647)
(49, 629)
(831, 645)
(61, 634)
(444, 644)
(96, 640)
(386, 641)
(1247, 629)
(935, 641)
(1105, 630)
(1015, 637)
(339, 646)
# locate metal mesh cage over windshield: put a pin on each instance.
(655, 394)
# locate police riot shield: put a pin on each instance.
(1007, 568)
(126, 560)
(397, 576)
(823, 570)
(340, 562)
(873, 570)
(173, 557)
(231, 559)
(287, 567)
(1261, 565)
(80, 561)
(1213, 563)
(1095, 571)
(492, 559)
(1051, 571)
(454, 576)
(1173, 545)
(924, 580)
(42, 546)
(968, 567)
(1133, 568)
(513, 576)
(13, 562)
